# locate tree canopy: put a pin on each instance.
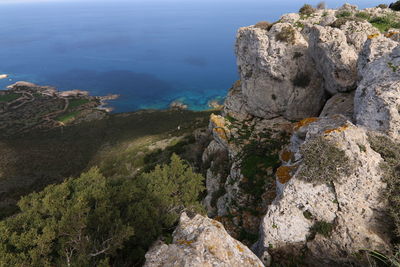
(97, 221)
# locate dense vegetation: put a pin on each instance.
(97, 221)
(121, 144)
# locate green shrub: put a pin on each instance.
(308, 215)
(344, 14)
(71, 223)
(256, 159)
(363, 15)
(382, 6)
(322, 228)
(301, 80)
(264, 25)
(306, 10)
(287, 34)
(323, 162)
(385, 23)
(90, 220)
(395, 6)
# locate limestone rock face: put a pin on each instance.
(348, 205)
(335, 58)
(357, 33)
(341, 103)
(277, 74)
(377, 99)
(235, 104)
(374, 48)
(201, 242)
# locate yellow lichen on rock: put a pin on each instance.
(239, 247)
(283, 173)
(337, 130)
(372, 36)
(185, 242)
(217, 121)
(221, 133)
(219, 126)
(304, 122)
(391, 34)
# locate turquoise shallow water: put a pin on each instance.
(151, 52)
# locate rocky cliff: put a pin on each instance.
(294, 170)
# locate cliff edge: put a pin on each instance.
(303, 162)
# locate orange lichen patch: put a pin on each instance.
(221, 133)
(239, 247)
(216, 224)
(391, 34)
(185, 242)
(283, 173)
(304, 122)
(218, 121)
(372, 36)
(286, 155)
(338, 130)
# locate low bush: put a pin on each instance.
(385, 23)
(395, 6)
(321, 5)
(323, 162)
(344, 14)
(257, 158)
(322, 228)
(306, 10)
(287, 34)
(382, 6)
(264, 25)
(363, 15)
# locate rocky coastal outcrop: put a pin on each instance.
(292, 172)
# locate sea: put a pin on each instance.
(150, 52)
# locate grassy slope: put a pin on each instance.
(30, 162)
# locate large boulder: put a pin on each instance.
(330, 202)
(335, 58)
(201, 242)
(377, 99)
(341, 103)
(278, 77)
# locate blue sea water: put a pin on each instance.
(150, 52)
